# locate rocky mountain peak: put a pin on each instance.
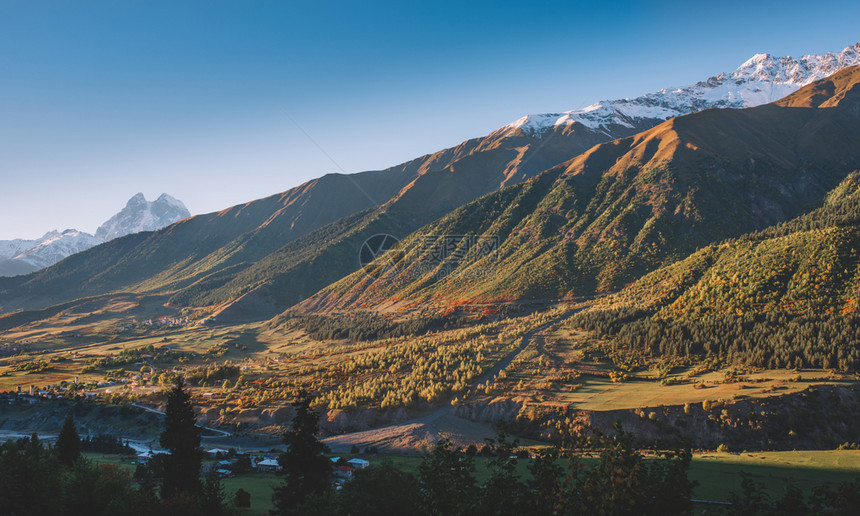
(137, 199)
(22, 256)
(762, 79)
(142, 215)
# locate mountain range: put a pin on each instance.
(578, 202)
(760, 80)
(624, 208)
(21, 256)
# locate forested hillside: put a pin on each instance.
(625, 208)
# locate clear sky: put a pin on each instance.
(203, 100)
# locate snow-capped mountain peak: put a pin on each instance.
(142, 215)
(22, 256)
(55, 246)
(761, 79)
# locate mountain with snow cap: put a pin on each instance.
(55, 245)
(142, 215)
(22, 256)
(760, 80)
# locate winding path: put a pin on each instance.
(223, 433)
(416, 433)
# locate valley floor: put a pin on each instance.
(718, 474)
(530, 372)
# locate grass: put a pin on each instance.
(718, 474)
(597, 393)
(593, 389)
(125, 462)
(259, 485)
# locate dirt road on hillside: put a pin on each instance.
(421, 433)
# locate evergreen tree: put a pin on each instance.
(214, 497)
(447, 485)
(181, 437)
(379, 490)
(68, 443)
(306, 470)
(503, 493)
(242, 498)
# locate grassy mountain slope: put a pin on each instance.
(627, 207)
(260, 246)
(196, 247)
(786, 297)
(809, 263)
(303, 267)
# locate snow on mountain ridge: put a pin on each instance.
(761, 79)
(55, 246)
(142, 215)
(138, 215)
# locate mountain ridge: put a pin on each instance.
(288, 246)
(628, 206)
(760, 80)
(142, 215)
(21, 256)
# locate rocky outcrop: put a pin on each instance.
(341, 421)
(816, 418)
(491, 411)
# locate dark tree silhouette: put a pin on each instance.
(446, 481)
(214, 497)
(504, 492)
(242, 498)
(181, 437)
(68, 443)
(306, 471)
(380, 490)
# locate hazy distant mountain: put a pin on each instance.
(55, 246)
(14, 267)
(142, 215)
(21, 256)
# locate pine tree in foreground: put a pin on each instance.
(307, 472)
(181, 437)
(68, 443)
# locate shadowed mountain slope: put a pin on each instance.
(220, 257)
(255, 259)
(624, 208)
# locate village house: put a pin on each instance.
(268, 465)
(358, 463)
(343, 472)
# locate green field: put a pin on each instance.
(718, 474)
(126, 462)
(259, 485)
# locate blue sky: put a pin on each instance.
(100, 100)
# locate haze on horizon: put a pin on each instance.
(219, 103)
